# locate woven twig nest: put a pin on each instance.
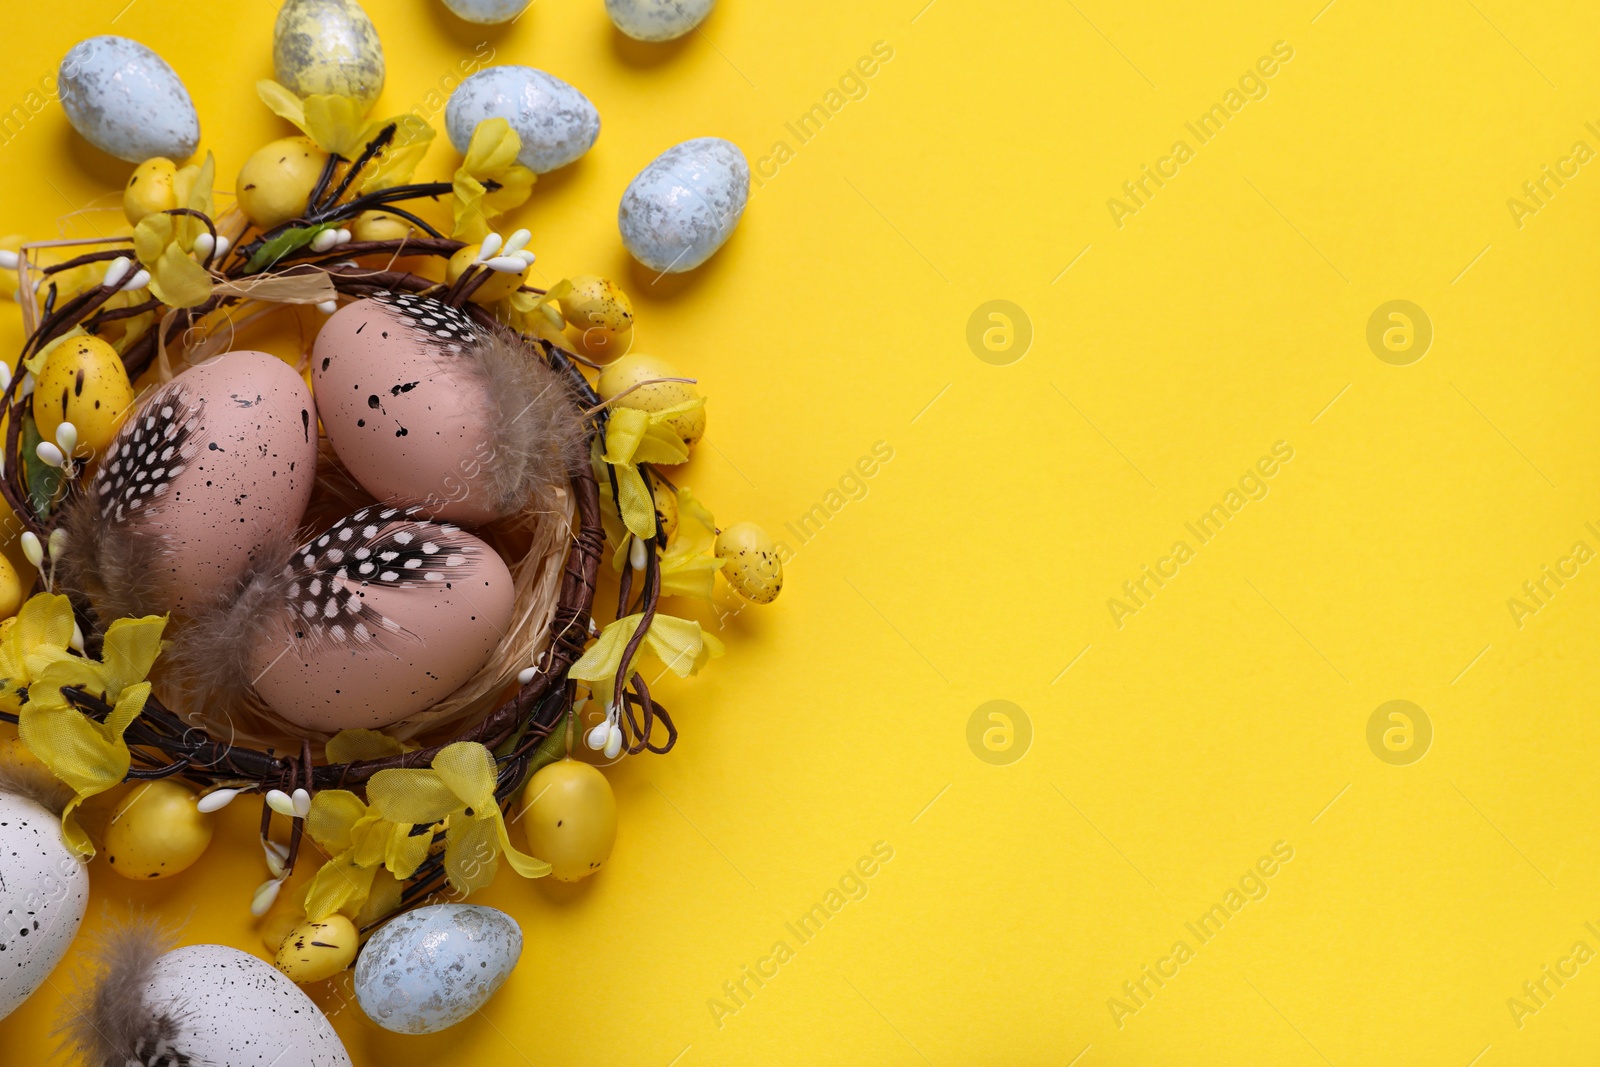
(514, 702)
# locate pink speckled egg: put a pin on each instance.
(400, 405)
(378, 618)
(202, 480)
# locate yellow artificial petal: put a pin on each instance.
(412, 796)
(397, 163)
(406, 851)
(494, 147)
(334, 814)
(603, 658)
(338, 885)
(468, 768)
(283, 103)
(527, 866)
(178, 281)
(384, 899)
(353, 746)
(637, 505)
(681, 645)
(490, 181)
(198, 199)
(470, 223)
(151, 237)
(694, 576)
(130, 650)
(336, 123)
(369, 840)
(471, 849)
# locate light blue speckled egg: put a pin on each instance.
(557, 123)
(685, 204)
(487, 12)
(657, 20)
(125, 100)
(432, 967)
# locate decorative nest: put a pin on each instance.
(508, 706)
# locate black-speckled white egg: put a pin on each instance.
(430, 968)
(377, 618)
(231, 1008)
(212, 469)
(44, 890)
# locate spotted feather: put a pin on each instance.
(151, 450)
(447, 327)
(376, 546)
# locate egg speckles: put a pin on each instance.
(227, 1007)
(379, 618)
(43, 894)
(199, 481)
(408, 412)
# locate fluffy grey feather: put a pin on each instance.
(538, 437)
(37, 785)
(115, 1027)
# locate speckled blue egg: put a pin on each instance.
(657, 20)
(432, 967)
(44, 890)
(127, 101)
(557, 123)
(685, 204)
(487, 12)
(228, 1007)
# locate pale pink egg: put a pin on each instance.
(202, 482)
(378, 618)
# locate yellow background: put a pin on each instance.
(1231, 711)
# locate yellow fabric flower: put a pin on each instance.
(680, 644)
(164, 242)
(339, 126)
(687, 566)
(458, 791)
(360, 843)
(634, 437)
(490, 181)
(37, 637)
(88, 756)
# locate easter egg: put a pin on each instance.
(82, 382)
(570, 817)
(427, 409)
(487, 12)
(127, 101)
(151, 188)
(430, 968)
(632, 382)
(657, 20)
(44, 892)
(156, 831)
(275, 183)
(684, 204)
(11, 591)
(556, 122)
(750, 562)
(223, 1006)
(378, 618)
(210, 473)
(328, 48)
(313, 951)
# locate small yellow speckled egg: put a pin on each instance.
(601, 313)
(313, 951)
(752, 566)
(666, 507)
(570, 818)
(275, 928)
(630, 370)
(150, 189)
(275, 183)
(156, 831)
(83, 382)
(380, 226)
(10, 589)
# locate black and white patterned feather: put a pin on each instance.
(448, 328)
(154, 449)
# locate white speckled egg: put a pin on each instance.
(209, 472)
(432, 967)
(378, 618)
(657, 20)
(427, 409)
(683, 206)
(487, 12)
(228, 1007)
(44, 891)
(328, 47)
(557, 123)
(127, 101)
